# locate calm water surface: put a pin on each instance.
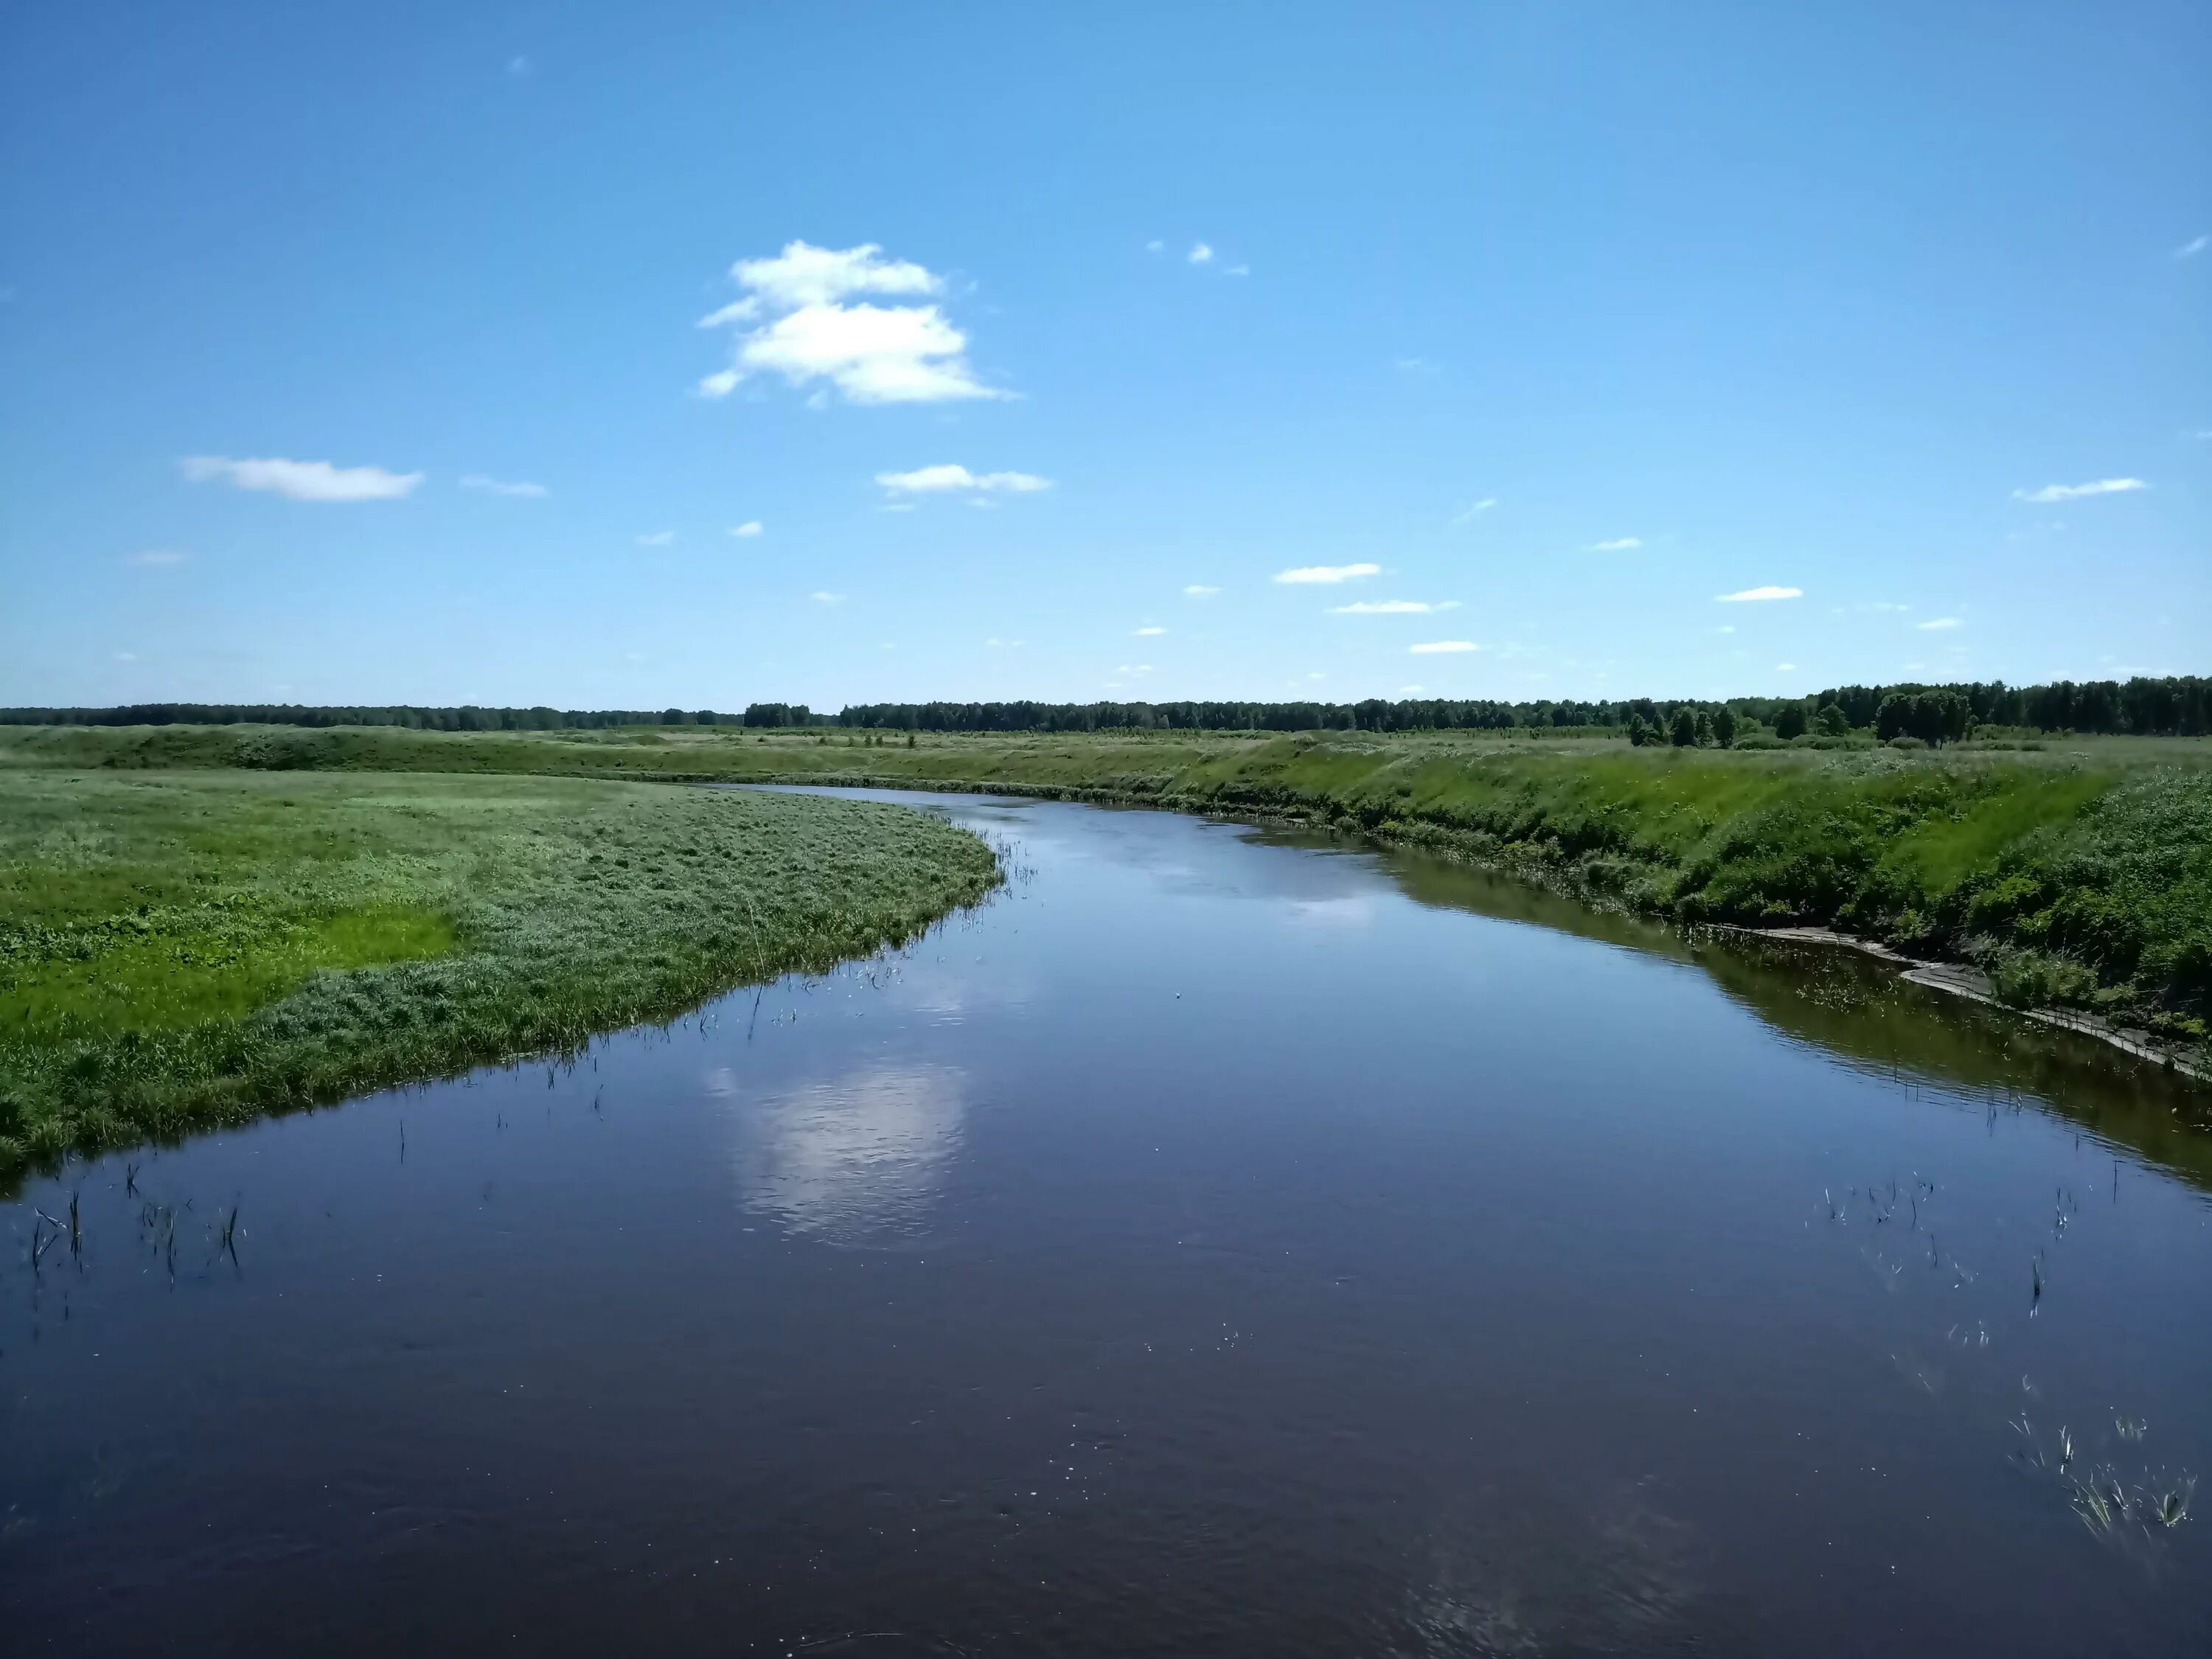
(1218, 1243)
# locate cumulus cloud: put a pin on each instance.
(496, 487)
(1391, 608)
(751, 527)
(803, 328)
(2051, 493)
(1149, 631)
(303, 481)
(158, 555)
(1156, 247)
(1328, 572)
(1200, 253)
(1237, 270)
(1754, 595)
(1619, 544)
(1939, 624)
(935, 480)
(1785, 668)
(821, 597)
(1442, 648)
(2193, 248)
(657, 538)
(1200, 591)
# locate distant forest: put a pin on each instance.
(2175, 706)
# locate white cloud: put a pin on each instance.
(1200, 591)
(751, 527)
(1785, 668)
(1725, 627)
(304, 481)
(1148, 632)
(1199, 253)
(158, 555)
(1328, 572)
(1442, 648)
(1133, 668)
(1416, 366)
(126, 656)
(2075, 492)
(1391, 608)
(657, 539)
(1411, 690)
(1619, 545)
(1753, 595)
(1237, 270)
(1939, 624)
(1482, 506)
(926, 480)
(1156, 247)
(871, 354)
(494, 487)
(2193, 248)
(517, 66)
(820, 597)
(1884, 605)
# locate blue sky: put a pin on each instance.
(1051, 338)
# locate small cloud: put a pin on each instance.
(1754, 595)
(999, 644)
(1133, 668)
(1785, 668)
(819, 597)
(1416, 366)
(1199, 253)
(303, 481)
(1148, 632)
(804, 330)
(1328, 572)
(517, 66)
(1237, 270)
(1884, 606)
(1200, 591)
(927, 480)
(1939, 624)
(126, 656)
(749, 528)
(1725, 627)
(1469, 511)
(1619, 545)
(2075, 492)
(494, 487)
(1411, 690)
(657, 539)
(158, 555)
(1391, 608)
(1443, 647)
(2193, 248)
(1156, 247)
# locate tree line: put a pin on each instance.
(2179, 705)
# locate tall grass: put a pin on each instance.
(190, 948)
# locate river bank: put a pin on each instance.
(2077, 878)
(184, 950)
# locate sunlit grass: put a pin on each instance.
(185, 948)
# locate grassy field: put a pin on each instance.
(185, 948)
(2076, 871)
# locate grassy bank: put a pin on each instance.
(179, 949)
(2077, 872)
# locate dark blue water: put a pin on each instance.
(1216, 1244)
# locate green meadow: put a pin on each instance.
(185, 948)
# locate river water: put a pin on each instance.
(1219, 1242)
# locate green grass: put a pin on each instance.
(185, 948)
(2075, 870)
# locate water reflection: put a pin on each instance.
(860, 1159)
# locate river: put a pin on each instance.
(1221, 1242)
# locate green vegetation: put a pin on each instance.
(2075, 871)
(180, 949)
